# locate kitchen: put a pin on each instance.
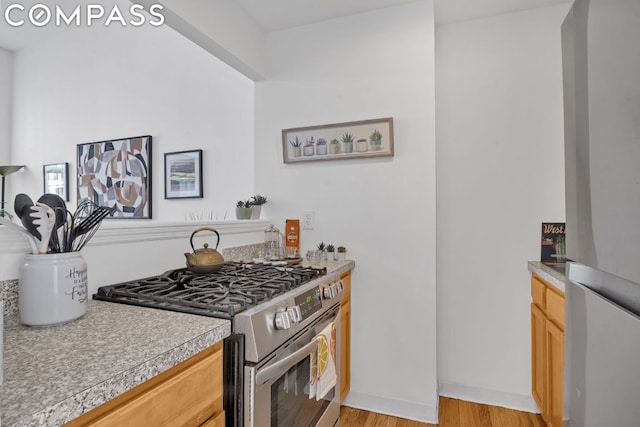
(506, 90)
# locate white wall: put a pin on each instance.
(6, 66)
(371, 65)
(500, 175)
(98, 83)
(223, 28)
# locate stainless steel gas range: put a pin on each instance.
(277, 314)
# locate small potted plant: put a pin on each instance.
(334, 147)
(331, 252)
(297, 147)
(376, 141)
(347, 140)
(243, 209)
(309, 147)
(342, 253)
(362, 145)
(321, 147)
(256, 205)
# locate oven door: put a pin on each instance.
(277, 390)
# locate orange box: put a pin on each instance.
(292, 233)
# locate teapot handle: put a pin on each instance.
(197, 230)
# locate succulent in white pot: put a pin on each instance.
(297, 147)
(376, 141)
(347, 141)
(321, 147)
(256, 203)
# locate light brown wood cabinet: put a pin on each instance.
(189, 394)
(547, 349)
(345, 337)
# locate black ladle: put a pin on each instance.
(20, 204)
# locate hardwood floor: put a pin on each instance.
(453, 413)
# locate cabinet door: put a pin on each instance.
(554, 374)
(345, 337)
(186, 395)
(538, 344)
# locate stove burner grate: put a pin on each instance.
(233, 289)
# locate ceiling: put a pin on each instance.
(274, 15)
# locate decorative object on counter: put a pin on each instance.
(321, 147)
(4, 172)
(297, 147)
(342, 253)
(183, 175)
(322, 250)
(117, 173)
(552, 246)
(243, 209)
(376, 141)
(256, 205)
(52, 288)
(204, 260)
(379, 131)
(56, 179)
(331, 252)
(292, 237)
(272, 244)
(314, 256)
(347, 140)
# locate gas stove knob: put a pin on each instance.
(282, 320)
(328, 292)
(294, 313)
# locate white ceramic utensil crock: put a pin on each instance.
(53, 288)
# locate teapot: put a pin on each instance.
(204, 260)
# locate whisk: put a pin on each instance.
(85, 222)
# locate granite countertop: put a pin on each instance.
(55, 374)
(553, 274)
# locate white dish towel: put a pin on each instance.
(327, 376)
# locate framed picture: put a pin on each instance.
(349, 140)
(117, 174)
(56, 179)
(183, 174)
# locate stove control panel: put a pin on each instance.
(304, 306)
(332, 290)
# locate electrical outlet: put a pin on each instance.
(308, 220)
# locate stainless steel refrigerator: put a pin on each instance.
(601, 71)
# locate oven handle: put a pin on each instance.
(277, 369)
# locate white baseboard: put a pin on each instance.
(502, 399)
(393, 407)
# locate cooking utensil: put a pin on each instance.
(27, 221)
(58, 205)
(87, 227)
(44, 219)
(13, 226)
(204, 260)
(20, 203)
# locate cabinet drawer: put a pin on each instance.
(538, 290)
(555, 307)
